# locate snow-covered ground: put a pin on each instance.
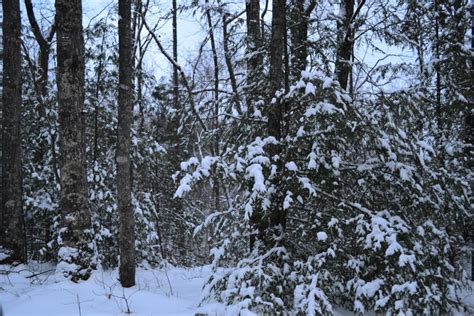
(158, 292)
(36, 290)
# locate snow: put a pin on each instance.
(159, 291)
(4, 254)
(322, 236)
(51, 294)
(468, 299)
(335, 160)
(328, 82)
(310, 89)
(410, 286)
(312, 161)
(288, 200)
(291, 166)
(323, 107)
(184, 186)
(370, 288)
(255, 171)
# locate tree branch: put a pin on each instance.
(180, 70)
(34, 24)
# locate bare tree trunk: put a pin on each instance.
(298, 24)
(216, 149)
(13, 237)
(254, 78)
(230, 67)
(276, 66)
(275, 116)
(469, 134)
(175, 57)
(254, 50)
(124, 179)
(439, 107)
(77, 252)
(345, 39)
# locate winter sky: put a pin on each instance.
(191, 31)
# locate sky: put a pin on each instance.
(191, 31)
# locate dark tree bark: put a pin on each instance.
(44, 46)
(254, 67)
(277, 48)
(298, 24)
(77, 252)
(175, 57)
(277, 218)
(469, 135)
(230, 67)
(254, 50)
(439, 107)
(345, 40)
(215, 61)
(124, 179)
(13, 228)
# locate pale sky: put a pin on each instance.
(191, 31)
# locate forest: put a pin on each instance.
(216, 157)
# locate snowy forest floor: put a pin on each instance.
(37, 290)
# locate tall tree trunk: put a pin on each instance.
(216, 149)
(77, 252)
(469, 133)
(298, 24)
(254, 51)
(124, 179)
(13, 237)
(230, 67)
(276, 66)
(345, 40)
(275, 116)
(254, 74)
(175, 57)
(439, 110)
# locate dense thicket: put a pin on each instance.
(316, 153)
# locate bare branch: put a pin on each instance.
(180, 70)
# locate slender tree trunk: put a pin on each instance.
(275, 116)
(254, 51)
(175, 57)
(469, 132)
(216, 149)
(276, 66)
(254, 74)
(439, 110)
(298, 24)
(345, 39)
(230, 67)
(77, 252)
(11, 207)
(124, 180)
